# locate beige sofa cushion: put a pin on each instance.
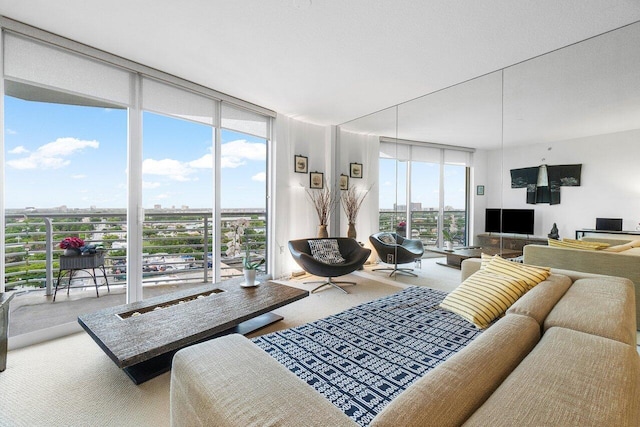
(539, 301)
(633, 251)
(599, 306)
(618, 248)
(230, 381)
(569, 379)
(453, 390)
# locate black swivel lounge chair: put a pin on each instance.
(350, 250)
(395, 249)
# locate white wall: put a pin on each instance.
(610, 182)
(295, 217)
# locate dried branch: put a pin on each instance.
(351, 201)
(323, 201)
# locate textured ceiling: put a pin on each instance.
(325, 61)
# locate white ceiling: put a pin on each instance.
(325, 61)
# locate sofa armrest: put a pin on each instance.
(597, 262)
(229, 382)
(468, 267)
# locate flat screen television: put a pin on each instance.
(517, 221)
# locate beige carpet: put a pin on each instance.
(71, 382)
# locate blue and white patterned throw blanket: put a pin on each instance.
(361, 358)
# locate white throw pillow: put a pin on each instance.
(326, 251)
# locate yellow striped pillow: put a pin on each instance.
(485, 260)
(577, 244)
(484, 297)
(531, 274)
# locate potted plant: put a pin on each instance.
(72, 246)
(250, 268)
(351, 201)
(447, 237)
(323, 201)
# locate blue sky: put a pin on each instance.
(425, 184)
(76, 156)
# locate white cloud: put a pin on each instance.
(235, 153)
(53, 154)
(79, 176)
(19, 150)
(11, 131)
(260, 177)
(171, 168)
(147, 185)
(204, 162)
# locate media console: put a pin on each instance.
(514, 242)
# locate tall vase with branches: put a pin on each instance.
(323, 201)
(351, 201)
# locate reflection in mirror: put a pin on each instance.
(576, 106)
(579, 105)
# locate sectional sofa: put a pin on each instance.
(563, 354)
(621, 258)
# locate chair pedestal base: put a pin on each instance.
(407, 271)
(329, 282)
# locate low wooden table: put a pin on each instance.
(142, 338)
(456, 256)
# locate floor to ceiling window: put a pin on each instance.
(149, 168)
(437, 191)
(243, 200)
(65, 176)
(177, 195)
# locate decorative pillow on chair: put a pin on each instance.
(484, 297)
(387, 238)
(326, 251)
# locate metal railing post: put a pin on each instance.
(205, 250)
(49, 255)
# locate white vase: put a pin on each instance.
(249, 277)
(449, 245)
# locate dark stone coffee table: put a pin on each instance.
(142, 337)
(456, 256)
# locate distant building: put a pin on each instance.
(157, 206)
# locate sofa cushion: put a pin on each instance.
(539, 301)
(532, 275)
(569, 379)
(230, 381)
(633, 251)
(577, 244)
(619, 248)
(484, 296)
(453, 390)
(326, 250)
(600, 306)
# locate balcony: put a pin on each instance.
(177, 249)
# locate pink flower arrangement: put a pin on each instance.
(71, 242)
(402, 224)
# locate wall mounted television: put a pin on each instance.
(516, 221)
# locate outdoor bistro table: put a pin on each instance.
(88, 263)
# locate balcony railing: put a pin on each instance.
(176, 242)
(424, 225)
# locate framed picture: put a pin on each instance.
(480, 190)
(300, 164)
(344, 182)
(355, 170)
(316, 180)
